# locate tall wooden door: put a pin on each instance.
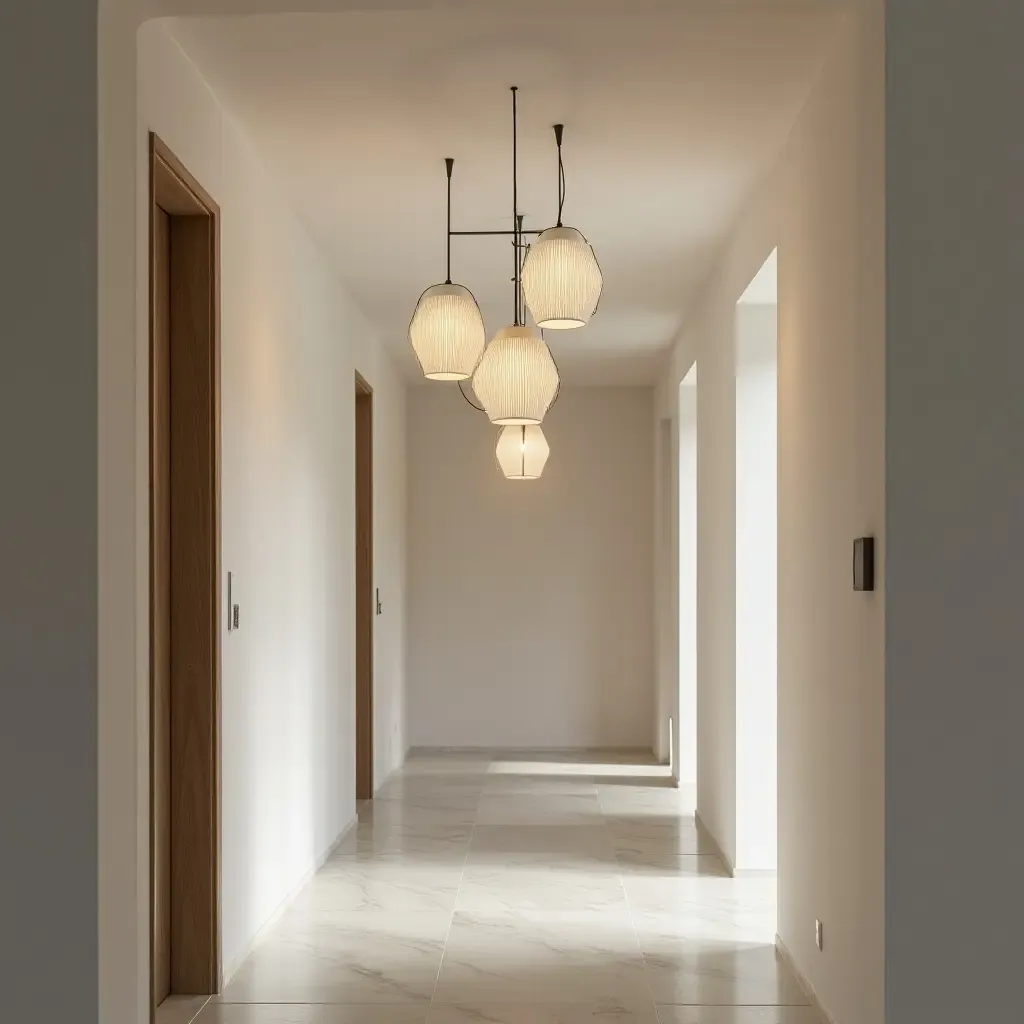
(185, 609)
(160, 625)
(366, 598)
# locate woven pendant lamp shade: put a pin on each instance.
(447, 332)
(522, 452)
(517, 379)
(562, 281)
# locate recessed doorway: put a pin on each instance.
(184, 399)
(756, 339)
(367, 601)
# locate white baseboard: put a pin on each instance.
(716, 849)
(802, 981)
(378, 785)
(734, 872)
(505, 751)
(228, 971)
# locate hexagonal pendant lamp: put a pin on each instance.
(522, 452)
(514, 376)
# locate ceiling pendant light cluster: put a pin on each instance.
(515, 378)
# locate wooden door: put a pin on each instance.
(366, 599)
(185, 609)
(160, 624)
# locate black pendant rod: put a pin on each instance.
(516, 223)
(458, 234)
(519, 247)
(449, 163)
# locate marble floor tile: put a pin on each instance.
(180, 1009)
(374, 1014)
(738, 1015)
(538, 809)
(661, 895)
(708, 968)
(382, 886)
(521, 888)
(261, 1013)
(308, 1013)
(644, 800)
(347, 957)
(533, 1013)
(640, 840)
(461, 798)
(653, 864)
(405, 839)
(552, 785)
(534, 885)
(547, 958)
(587, 841)
(419, 812)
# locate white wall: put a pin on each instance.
(685, 685)
(756, 586)
(823, 205)
(291, 341)
(531, 603)
(665, 533)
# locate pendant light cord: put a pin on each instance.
(449, 163)
(559, 128)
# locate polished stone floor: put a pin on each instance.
(539, 889)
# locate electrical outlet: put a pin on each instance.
(819, 939)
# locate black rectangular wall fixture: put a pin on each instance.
(864, 563)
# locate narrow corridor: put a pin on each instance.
(538, 890)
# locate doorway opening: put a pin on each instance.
(757, 572)
(184, 500)
(685, 740)
(664, 745)
(367, 601)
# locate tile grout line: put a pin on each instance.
(451, 921)
(629, 910)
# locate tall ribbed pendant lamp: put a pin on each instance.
(522, 452)
(447, 330)
(516, 380)
(562, 280)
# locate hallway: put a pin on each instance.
(546, 890)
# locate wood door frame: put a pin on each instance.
(366, 604)
(195, 639)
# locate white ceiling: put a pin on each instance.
(670, 119)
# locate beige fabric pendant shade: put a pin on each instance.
(562, 281)
(522, 452)
(517, 379)
(447, 332)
